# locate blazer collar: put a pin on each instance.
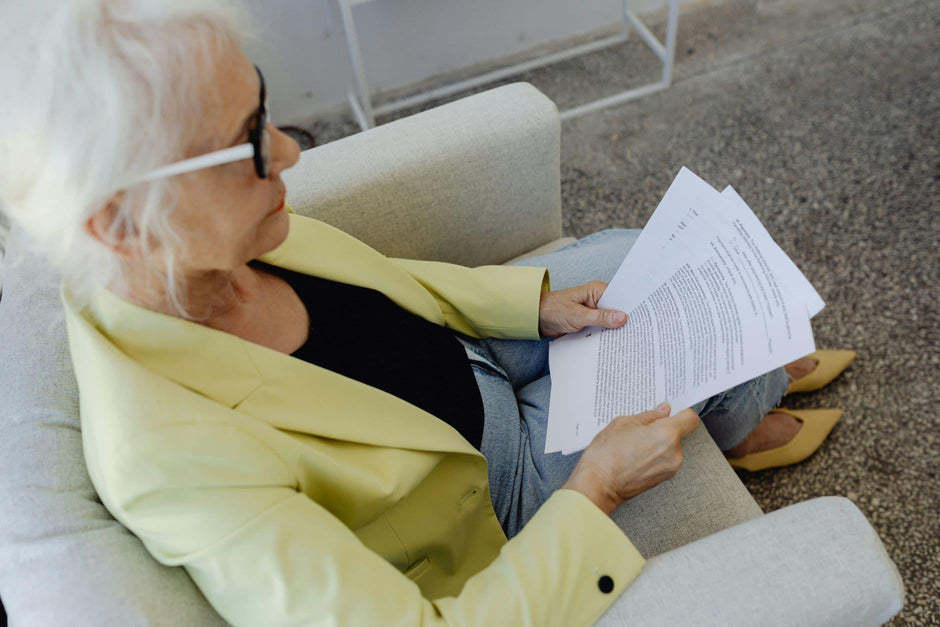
(273, 387)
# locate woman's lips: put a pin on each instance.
(278, 208)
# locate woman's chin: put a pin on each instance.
(276, 227)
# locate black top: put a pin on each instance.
(362, 334)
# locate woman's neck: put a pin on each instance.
(209, 297)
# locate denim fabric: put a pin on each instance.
(515, 384)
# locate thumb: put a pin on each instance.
(687, 420)
(652, 415)
(607, 318)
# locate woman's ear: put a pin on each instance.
(106, 226)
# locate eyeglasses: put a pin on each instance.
(257, 148)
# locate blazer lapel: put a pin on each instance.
(319, 249)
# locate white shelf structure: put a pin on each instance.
(360, 97)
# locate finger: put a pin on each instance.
(607, 318)
(652, 415)
(587, 293)
(595, 289)
(686, 421)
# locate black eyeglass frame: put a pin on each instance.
(258, 134)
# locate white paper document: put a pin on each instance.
(712, 302)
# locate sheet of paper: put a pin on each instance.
(734, 207)
(716, 303)
(675, 215)
(665, 231)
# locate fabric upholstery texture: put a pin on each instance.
(684, 509)
(545, 249)
(818, 562)
(474, 182)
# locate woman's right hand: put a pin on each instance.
(631, 455)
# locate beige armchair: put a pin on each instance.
(474, 182)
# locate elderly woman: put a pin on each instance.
(317, 433)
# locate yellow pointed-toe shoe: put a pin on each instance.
(831, 365)
(817, 423)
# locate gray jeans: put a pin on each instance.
(515, 384)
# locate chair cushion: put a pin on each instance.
(63, 558)
(544, 249)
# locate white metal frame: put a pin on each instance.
(360, 98)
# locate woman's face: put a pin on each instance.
(226, 215)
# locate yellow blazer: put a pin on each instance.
(294, 495)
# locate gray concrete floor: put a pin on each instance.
(824, 116)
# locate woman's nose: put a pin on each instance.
(284, 151)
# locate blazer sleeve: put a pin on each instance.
(487, 301)
(220, 502)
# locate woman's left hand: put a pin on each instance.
(570, 310)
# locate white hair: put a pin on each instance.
(96, 93)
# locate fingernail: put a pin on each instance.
(619, 317)
(662, 406)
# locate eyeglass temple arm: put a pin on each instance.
(228, 155)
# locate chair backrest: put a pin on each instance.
(476, 181)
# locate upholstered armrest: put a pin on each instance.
(818, 562)
(474, 182)
(63, 559)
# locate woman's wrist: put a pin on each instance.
(584, 479)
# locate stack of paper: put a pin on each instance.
(712, 302)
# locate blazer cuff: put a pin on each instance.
(532, 294)
(597, 560)
(513, 309)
